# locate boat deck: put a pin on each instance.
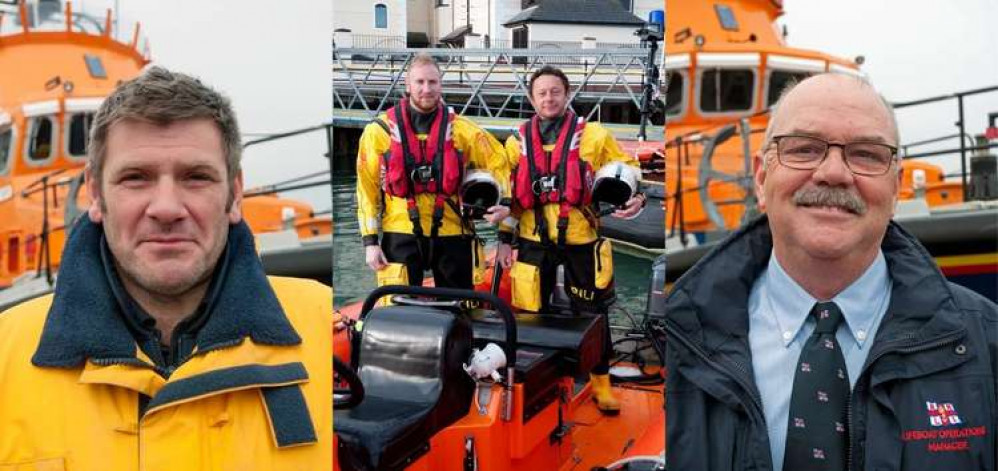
(599, 440)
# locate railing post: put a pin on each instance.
(963, 147)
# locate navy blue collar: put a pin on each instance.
(85, 322)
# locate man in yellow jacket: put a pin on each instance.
(410, 166)
(554, 158)
(165, 347)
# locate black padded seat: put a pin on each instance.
(578, 338)
(410, 362)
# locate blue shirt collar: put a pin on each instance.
(867, 295)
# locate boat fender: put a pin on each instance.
(486, 363)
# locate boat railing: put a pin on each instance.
(961, 135)
(300, 182)
(40, 17)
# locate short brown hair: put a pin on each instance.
(424, 59)
(162, 97)
(547, 70)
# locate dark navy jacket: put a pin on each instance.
(926, 397)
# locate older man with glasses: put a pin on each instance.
(823, 336)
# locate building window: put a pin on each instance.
(726, 90)
(40, 143)
(79, 131)
(381, 16)
(521, 40)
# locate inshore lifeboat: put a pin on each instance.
(405, 401)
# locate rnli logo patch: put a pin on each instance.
(942, 414)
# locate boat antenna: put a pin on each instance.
(650, 37)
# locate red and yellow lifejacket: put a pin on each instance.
(559, 176)
(413, 167)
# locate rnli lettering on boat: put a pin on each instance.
(470, 304)
(583, 294)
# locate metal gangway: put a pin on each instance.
(490, 84)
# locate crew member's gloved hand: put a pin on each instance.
(338, 323)
(504, 255)
(496, 214)
(631, 208)
(374, 257)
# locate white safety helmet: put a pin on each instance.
(615, 183)
(479, 192)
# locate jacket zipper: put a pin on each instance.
(914, 348)
(755, 400)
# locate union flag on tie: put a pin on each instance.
(942, 414)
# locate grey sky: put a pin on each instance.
(270, 58)
(913, 49)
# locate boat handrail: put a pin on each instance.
(69, 21)
(715, 127)
(278, 188)
(951, 96)
(509, 321)
(31, 189)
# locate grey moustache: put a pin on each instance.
(829, 196)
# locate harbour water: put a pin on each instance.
(352, 279)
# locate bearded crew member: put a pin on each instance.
(409, 169)
(554, 159)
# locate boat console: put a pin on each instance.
(550, 347)
(409, 361)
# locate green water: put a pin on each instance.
(352, 279)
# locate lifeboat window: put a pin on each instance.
(6, 147)
(41, 137)
(726, 17)
(674, 93)
(95, 66)
(726, 90)
(779, 80)
(79, 133)
(381, 16)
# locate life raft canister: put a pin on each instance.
(412, 167)
(559, 176)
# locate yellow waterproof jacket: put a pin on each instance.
(598, 147)
(255, 394)
(378, 210)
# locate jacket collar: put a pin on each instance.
(84, 321)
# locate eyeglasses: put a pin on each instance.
(861, 158)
